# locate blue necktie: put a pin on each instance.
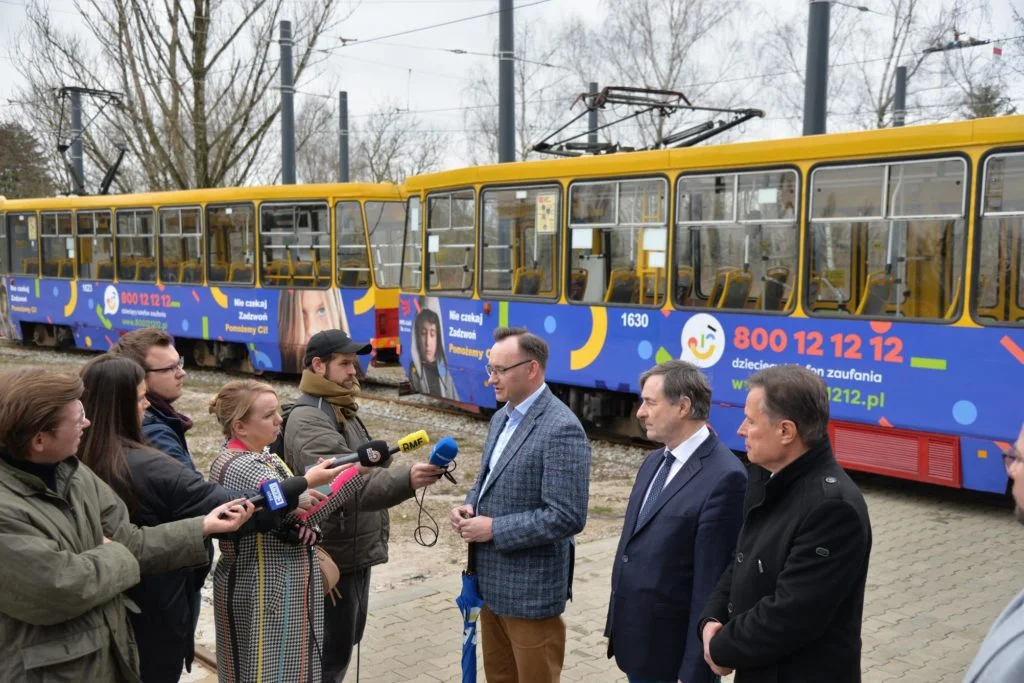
(659, 483)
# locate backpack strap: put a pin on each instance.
(319, 402)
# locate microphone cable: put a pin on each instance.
(429, 530)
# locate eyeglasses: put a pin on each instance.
(498, 370)
(1010, 457)
(170, 368)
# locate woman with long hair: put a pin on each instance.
(301, 313)
(268, 593)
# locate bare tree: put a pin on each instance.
(393, 144)
(23, 171)
(542, 94)
(197, 81)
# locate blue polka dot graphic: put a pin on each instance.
(965, 412)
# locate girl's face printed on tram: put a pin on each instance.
(428, 341)
(315, 314)
(262, 423)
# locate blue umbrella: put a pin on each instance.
(469, 601)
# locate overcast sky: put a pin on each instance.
(417, 70)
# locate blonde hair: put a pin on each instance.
(234, 401)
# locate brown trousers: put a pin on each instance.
(522, 650)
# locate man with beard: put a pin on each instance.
(1001, 657)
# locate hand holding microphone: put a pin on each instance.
(443, 454)
(275, 494)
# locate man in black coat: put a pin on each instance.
(789, 607)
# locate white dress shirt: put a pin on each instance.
(515, 416)
(682, 453)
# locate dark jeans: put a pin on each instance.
(344, 622)
(633, 679)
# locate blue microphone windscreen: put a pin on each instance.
(444, 452)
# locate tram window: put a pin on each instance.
(386, 222)
(95, 245)
(450, 241)
(903, 257)
(736, 240)
(999, 269)
(230, 233)
(412, 246)
(618, 241)
(353, 258)
(23, 230)
(295, 244)
(136, 246)
(181, 245)
(57, 244)
(5, 261)
(520, 241)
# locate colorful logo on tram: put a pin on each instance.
(703, 340)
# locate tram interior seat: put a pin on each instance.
(719, 285)
(126, 269)
(276, 273)
(50, 268)
(145, 270)
(684, 284)
(577, 283)
(218, 272)
(652, 284)
(736, 289)
(241, 273)
(623, 287)
(105, 270)
(876, 294)
(354, 274)
(303, 270)
(170, 271)
(527, 282)
(323, 268)
(774, 293)
(30, 265)
(66, 268)
(192, 271)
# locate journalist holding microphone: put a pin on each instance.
(268, 589)
(529, 499)
(324, 423)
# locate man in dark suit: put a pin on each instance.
(789, 607)
(684, 514)
(529, 499)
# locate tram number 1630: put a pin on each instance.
(635, 320)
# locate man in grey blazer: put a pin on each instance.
(529, 499)
(1001, 657)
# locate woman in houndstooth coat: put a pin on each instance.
(268, 590)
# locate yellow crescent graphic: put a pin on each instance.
(69, 307)
(220, 297)
(587, 354)
(701, 355)
(362, 305)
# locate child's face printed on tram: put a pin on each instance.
(261, 424)
(428, 341)
(143, 402)
(316, 316)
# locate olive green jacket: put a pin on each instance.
(62, 613)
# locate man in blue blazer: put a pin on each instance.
(1001, 657)
(529, 499)
(684, 514)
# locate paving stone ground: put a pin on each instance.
(944, 564)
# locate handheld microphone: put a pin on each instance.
(275, 494)
(444, 452)
(376, 453)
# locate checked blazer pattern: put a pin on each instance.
(537, 497)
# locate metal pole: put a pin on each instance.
(592, 120)
(899, 114)
(816, 75)
(76, 143)
(342, 137)
(287, 107)
(506, 90)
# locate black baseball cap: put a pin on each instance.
(323, 344)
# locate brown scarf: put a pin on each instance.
(341, 399)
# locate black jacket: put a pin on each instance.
(792, 599)
(167, 434)
(168, 491)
